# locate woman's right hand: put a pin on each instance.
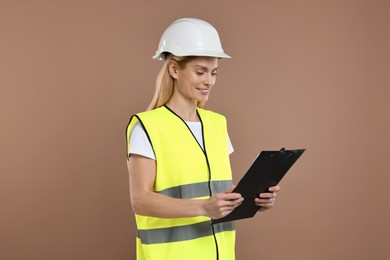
(221, 204)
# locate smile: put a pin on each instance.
(203, 91)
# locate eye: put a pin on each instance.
(199, 73)
(214, 73)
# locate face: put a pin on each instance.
(194, 82)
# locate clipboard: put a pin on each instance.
(267, 170)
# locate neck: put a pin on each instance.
(186, 112)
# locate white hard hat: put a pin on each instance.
(190, 37)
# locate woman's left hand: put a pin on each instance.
(266, 200)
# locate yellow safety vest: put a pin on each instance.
(184, 170)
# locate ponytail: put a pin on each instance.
(164, 87)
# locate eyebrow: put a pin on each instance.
(204, 67)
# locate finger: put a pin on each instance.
(234, 202)
(231, 196)
(274, 188)
(267, 195)
(265, 201)
(229, 208)
(267, 206)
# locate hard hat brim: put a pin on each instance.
(162, 55)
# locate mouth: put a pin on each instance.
(203, 91)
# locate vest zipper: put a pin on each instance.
(209, 183)
(208, 166)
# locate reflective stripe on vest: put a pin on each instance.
(184, 170)
(182, 233)
(195, 190)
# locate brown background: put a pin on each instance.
(304, 74)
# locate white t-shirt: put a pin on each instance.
(140, 143)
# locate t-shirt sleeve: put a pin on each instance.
(139, 142)
(231, 149)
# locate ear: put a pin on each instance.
(173, 69)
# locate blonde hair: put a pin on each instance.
(165, 82)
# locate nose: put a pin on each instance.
(209, 79)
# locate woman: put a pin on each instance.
(178, 154)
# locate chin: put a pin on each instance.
(204, 100)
